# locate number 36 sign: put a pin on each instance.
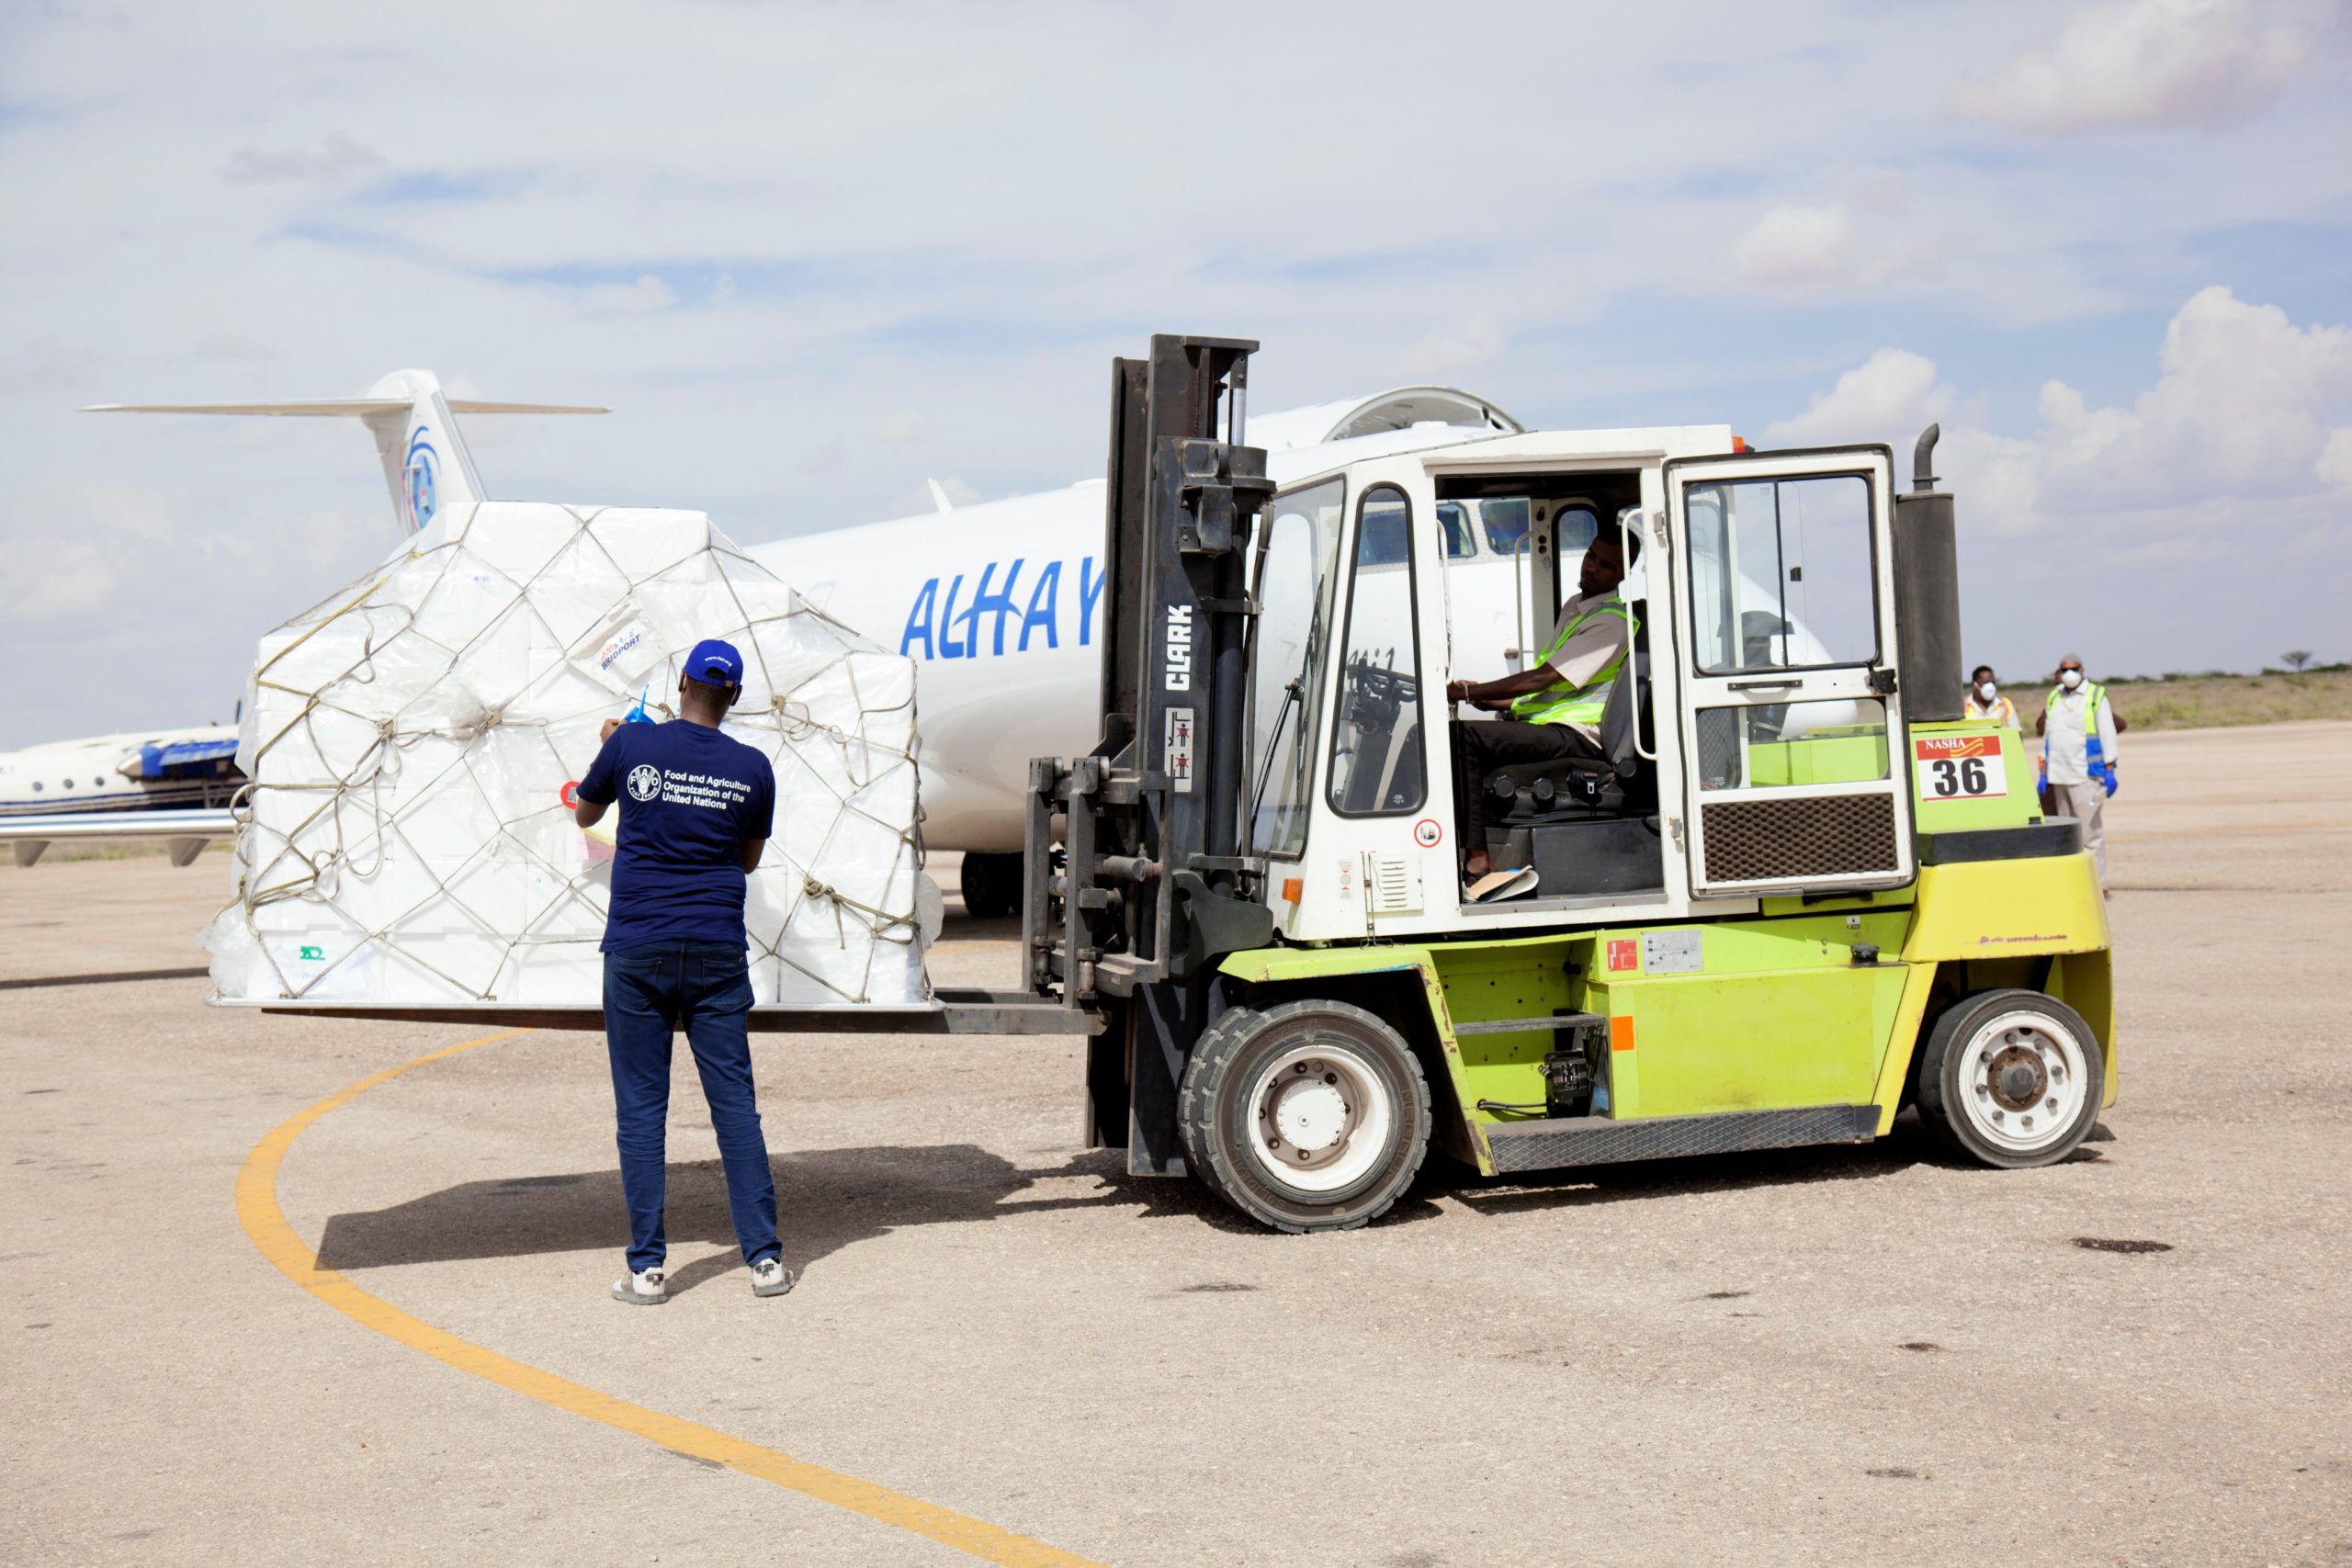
(1960, 767)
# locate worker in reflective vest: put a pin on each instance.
(1555, 704)
(1988, 701)
(2078, 730)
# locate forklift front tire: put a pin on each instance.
(2011, 1078)
(1310, 1116)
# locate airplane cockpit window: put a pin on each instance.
(1380, 538)
(1296, 557)
(1460, 543)
(1573, 527)
(1506, 523)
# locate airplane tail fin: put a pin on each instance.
(426, 466)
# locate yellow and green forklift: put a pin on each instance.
(1792, 891)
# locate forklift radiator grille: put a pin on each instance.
(1766, 841)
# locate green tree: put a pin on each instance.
(2298, 658)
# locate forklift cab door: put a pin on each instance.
(1785, 644)
(1350, 616)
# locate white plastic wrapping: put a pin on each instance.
(410, 741)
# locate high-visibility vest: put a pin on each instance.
(1565, 703)
(2093, 753)
(2003, 710)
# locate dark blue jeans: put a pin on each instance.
(706, 988)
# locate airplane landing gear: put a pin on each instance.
(991, 885)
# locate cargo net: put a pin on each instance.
(413, 740)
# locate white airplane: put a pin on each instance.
(175, 786)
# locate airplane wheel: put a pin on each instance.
(991, 885)
(1314, 1115)
(2011, 1078)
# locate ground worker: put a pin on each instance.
(1986, 700)
(1555, 704)
(696, 810)
(2078, 731)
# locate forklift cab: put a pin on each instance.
(1743, 748)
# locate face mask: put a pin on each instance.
(1987, 691)
(2070, 679)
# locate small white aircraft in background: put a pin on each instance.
(174, 786)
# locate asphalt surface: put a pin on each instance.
(1801, 1357)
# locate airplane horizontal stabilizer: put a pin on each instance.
(426, 466)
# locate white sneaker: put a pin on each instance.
(770, 1278)
(644, 1288)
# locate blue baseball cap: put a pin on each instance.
(714, 662)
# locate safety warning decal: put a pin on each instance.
(1180, 750)
(1625, 954)
(1960, 767)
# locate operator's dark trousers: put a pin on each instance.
(706, 988)
(1482, 745)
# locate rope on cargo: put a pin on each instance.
(362, 813)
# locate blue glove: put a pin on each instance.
(639, 716)
(2106, 779)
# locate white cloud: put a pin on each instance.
(1802, 246)
(1892, 392)
(647, 294)
(1829, 246)
(1475, 342)
(44, 579)
(2243, 411)
(2334, 465)
(905, 427)
(340, 160)
(2146, 63)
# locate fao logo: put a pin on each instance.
(644, 782)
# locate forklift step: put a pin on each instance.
(1600, 1140)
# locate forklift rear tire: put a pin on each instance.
(991, 885)
(2011, 1078)
(1310, 1116)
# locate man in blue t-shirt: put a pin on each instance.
(696, 810)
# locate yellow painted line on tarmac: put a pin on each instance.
(265, 1224)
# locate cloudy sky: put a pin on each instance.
(814, 255)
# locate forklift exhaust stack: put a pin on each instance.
(1927, 593)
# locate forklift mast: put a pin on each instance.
(1151, 884)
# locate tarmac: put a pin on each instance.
(1003, 1349)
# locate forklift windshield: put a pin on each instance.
(1297, 555)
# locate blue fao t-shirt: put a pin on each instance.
(689, 799)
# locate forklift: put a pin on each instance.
(1796, 891)
(1792, 890)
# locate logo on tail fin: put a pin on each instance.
(423, 489)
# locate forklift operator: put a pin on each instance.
(1556, 706)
